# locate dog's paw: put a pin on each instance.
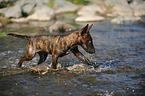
(96, 65)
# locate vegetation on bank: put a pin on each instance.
(79, 2)
(4, 4)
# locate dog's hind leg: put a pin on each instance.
(30, 53)
(25, 58)
(43, 56)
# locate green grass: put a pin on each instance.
(51, 3)
(2, 34)
(79, 2)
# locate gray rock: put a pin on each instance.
(42, 12)
(138, 7)
(42, 2)
(62, 6)
(119, 7)
(88, 13)
(136, 2)
(90, 17)
(23, 2)
(3, 10)
(91, 9)
(115, 2)
(61, 26)
(38, 2)
(27, 8)
(14, 11)
(121, 19)
(122, 10)
(139, 10)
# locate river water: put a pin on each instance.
(119, 48)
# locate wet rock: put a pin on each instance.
(62, 6)
(121, 19)
(89, 17)
(14, 11)
(61, 27)
(42, 12)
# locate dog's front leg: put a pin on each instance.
(54, 61)
(78, 54)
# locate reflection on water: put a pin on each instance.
(119, 48)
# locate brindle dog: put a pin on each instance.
(58, 46)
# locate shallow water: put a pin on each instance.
(119, 48)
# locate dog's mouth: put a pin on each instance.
(90, 50)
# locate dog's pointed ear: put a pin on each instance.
(89, 28)
(83, 30)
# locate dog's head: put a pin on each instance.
(86, 40)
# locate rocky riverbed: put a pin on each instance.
(96, 10)
(120, 51)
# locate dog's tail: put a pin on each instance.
(19, 36)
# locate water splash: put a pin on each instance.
(103, 68)
(85, 68)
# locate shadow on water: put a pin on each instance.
(120, 49)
